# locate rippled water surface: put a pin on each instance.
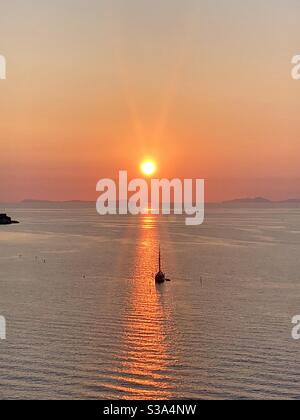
(85, 319)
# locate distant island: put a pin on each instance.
(5, 220)
(259, 200)
(291, 200)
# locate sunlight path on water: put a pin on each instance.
(149, 325)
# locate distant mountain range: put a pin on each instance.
(291, 200)
(79, 203)
(48, 204)
(260, 200)
(56, 202)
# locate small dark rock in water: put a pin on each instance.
(5, 220)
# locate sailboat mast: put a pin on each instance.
(159, 260)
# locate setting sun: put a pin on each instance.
(148, 167)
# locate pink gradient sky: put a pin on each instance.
(204, 88)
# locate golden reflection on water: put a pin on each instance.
(149, 324)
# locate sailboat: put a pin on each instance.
(160, 276)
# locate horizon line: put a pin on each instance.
(245, 200)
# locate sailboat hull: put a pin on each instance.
(160, 277)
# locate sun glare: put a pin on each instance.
(148, 167)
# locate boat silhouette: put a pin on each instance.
(160, 276)
(5, 220)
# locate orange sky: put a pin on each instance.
(204, 88)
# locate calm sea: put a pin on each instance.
(85, 319)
